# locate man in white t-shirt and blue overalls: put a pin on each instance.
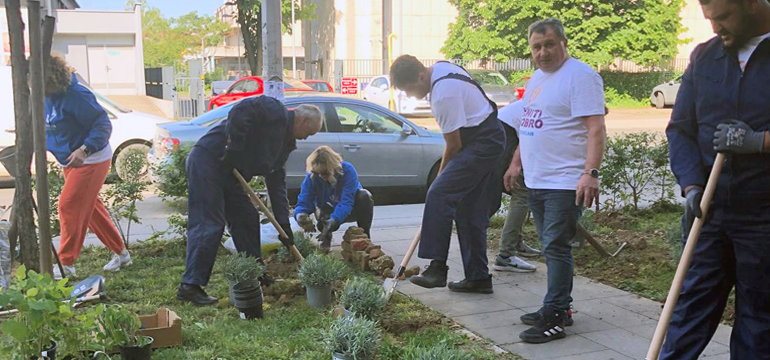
(462, 192)
(561, 143)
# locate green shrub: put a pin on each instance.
(363, 297)
(354, 337)
(614, 99)
(636, 85)
(320, 270)
(674, 237)
(171, 174)
(121, 327)
(440, 352)
(121, 197)
(304, 245)
(242, 267)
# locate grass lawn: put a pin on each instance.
(290, 330)
(645, 267)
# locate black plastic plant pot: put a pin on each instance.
(246, 296)
(49, 353)
(137, 352)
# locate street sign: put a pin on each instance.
(350, 86)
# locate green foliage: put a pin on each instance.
(674, 237)
(633, 163)
(79, 335)
(598, 31)
(440, 352)
(42, 315)
(303, 243)
(615, 100)
(171, 174)
(319, 270)
(358, 338)
(636, 85)
(121, 197)
(121, 327)
(363, 297)
(242, 267)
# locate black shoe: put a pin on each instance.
(434, 276)
(549, 327)
(194, 294)
(533, 318)
(266, 280)
(472, 286)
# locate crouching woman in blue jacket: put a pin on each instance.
(332, 192)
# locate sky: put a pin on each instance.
(169, 8)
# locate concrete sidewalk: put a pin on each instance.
(609, 323)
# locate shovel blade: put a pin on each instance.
(390, 287)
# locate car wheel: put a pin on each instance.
(121, 158)
(660, 102)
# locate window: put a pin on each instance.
(359, 119)
(250, 86)
(237, 88)
(379, 82)
(320, 87)
(489, 78)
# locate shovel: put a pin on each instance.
(261, 206)
(391, 283)
(684, 262)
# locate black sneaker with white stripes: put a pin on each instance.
(549, 327)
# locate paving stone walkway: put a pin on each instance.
(610, 324)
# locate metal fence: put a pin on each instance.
(188, 98)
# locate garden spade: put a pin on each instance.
(261, 206)
(684, 262)
(391, 283)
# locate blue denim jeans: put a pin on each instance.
(556, 218)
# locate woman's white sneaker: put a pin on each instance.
(118, 260)
(513, 264)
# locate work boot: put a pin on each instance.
(194, 294)
(434, 276)
(483, 286)
(533, 318)
(525, 250)
(549, 327)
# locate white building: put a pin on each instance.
(104, 46)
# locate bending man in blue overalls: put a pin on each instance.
(332, 192)
(475, 141)
(256, 138)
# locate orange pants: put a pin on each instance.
(80, 209)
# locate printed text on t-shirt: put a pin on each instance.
(531, 120)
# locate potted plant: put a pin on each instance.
(78, 338)
(42, 315)
(242, 272)
(317, 272)
(120, 328)
(353, 338)
(362, 297)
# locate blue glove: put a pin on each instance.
(737, 137)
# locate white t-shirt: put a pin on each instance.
(99, 156)
(455, 103)
(511, 114)
(552, 136)
(744, 53)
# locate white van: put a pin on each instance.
(130, 129)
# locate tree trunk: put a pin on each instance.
(23, 192)
(252, 40)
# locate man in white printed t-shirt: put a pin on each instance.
(462, 192)
(561, 143)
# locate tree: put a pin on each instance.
(598, 31)
(250, 22)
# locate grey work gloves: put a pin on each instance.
(289, 241)
(737, 137)
(692, 208)
(305, 222)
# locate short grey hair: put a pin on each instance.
(310, 113)
(542, 26)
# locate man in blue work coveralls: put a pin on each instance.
(723, 105)
(256, 139)
(462, 192)
(332, 192)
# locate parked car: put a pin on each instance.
(665, 94)
(378, 92)
(495, 85)
(388, 151)
(250, 86)
(521, 86)
(319, 85)
(220, 86)
(130, 129)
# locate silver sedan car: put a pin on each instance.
(387, 150)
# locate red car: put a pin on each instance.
(319, 85)
(521, 86)
(252, 85)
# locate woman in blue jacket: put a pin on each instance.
(332, 192)
(77, 133)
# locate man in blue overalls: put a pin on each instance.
(256, 139)
(462, 192)
(723, 105)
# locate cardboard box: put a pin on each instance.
(164, 326)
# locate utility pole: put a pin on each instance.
(37, 107)
(272, 49)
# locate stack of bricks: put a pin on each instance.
(359, 250)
